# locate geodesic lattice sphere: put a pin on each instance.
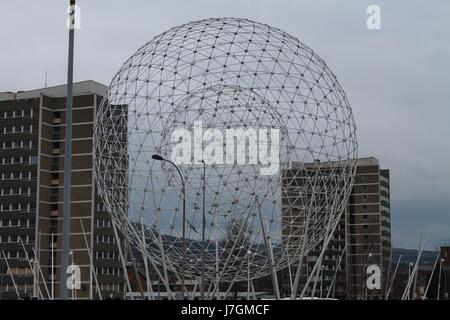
(225, 74)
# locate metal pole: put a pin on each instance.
(409, 276)
(328, 236)
(227, 261)
(63, 290)
(439, 280)
(91, 258)
(11, 274)
(407, 294)
(333, 282)
(52, 243)
(73, 284)
(393, 277)
(202, 288)
(268, 245)
(431, 276)
(248, 275)
(147, 273)
(303, 249)
(35, 280)
(1, 279)
(321, 280)
(39, 272)
(217, 267)
(183, 257)
(122, 259)
(31, 267)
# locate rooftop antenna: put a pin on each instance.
(45, 84)
(67, 160)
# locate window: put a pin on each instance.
(365, 206)
(34, 160)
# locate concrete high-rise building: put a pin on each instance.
(362, 238)
(32, 139)
(368, 229)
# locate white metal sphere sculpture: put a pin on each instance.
(225, 74)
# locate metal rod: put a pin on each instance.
(147, 274)
(248, 275)
(135, 270)
(439, 281)
(336, 272)
(393, 277)
(41, 273)
(269, 255)
(217, 267)
(328, 236)
(63, 290)
(122, 258)
(30, 265)
(10, 273)
(52, 267)
(316, 278)
(202, 285)
(304, 242)
(183, 257)
(431, 276)
(231, 251)
(1, 279)
(91, 258)
(253, 290)
(407, 293)
(163, 279)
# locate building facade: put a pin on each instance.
(368, 229)
(362, 238)
(32, 137)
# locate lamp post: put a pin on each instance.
(183, 258)
(65, 247)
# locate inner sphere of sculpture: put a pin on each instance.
(227, 74)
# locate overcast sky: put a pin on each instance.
(397, 78)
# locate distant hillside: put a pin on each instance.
(410, 255)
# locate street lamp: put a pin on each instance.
(183, 258)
